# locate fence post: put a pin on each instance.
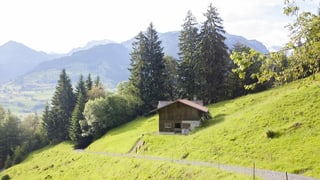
(286, 175)
(254, 171)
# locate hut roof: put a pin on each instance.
(194, 104)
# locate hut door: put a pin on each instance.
(177, 125)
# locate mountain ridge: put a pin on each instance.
(17, 59)
(106, 59)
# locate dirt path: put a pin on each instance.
(265, 174)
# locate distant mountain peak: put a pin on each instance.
(17, 59)
(92, 44)
(231, 40)
(170, 41)
(13, 44)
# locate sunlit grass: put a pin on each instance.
(236, 134)
(121, 139)
(62, 162)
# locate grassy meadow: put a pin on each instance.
(236, 134)
(62, 162)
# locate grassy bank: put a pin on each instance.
(62, 162)
(237, 132)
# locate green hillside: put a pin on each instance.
(62, 162)
(236, 134)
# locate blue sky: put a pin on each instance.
(60, 25)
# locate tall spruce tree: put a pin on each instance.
(97, 81)
(62, 106)
(89, 82)
(212, 66)
(148, 69)
(188, 44)
(77, 115)
(171, 81)
(47, 123)
(137, 64)
(81, 88)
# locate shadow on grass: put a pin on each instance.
(211, 122)
(215, 120)
(137, 123)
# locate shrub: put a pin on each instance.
(5, 177)
(185, 155)
(271, 134)
(103, 114)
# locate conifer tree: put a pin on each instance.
(188, 44)
(97, 81)
(171, 81)
(47, 123)
(147, 69)
(77, 114)
(81, 88)
(89, 82)
(137, 64)
(212, 66)
(62, 106)
(75, 128)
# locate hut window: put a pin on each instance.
(167, 125)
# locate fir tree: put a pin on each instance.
(63, 103)
(172, 80)
(188, 45)
(47, 123)
(137, 64)
(97, 82)
(77, 115)
(81, 88)
(75, 128)
(212, 67)
(89, 82)
(148, 69)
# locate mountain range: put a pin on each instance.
(26, 72)
(17, 59)
(18, 62)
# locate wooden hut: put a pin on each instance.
(180, 116)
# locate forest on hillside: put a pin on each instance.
(205, 70)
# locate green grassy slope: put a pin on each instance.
(62, 162)
(120, 140)
(236, 134)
